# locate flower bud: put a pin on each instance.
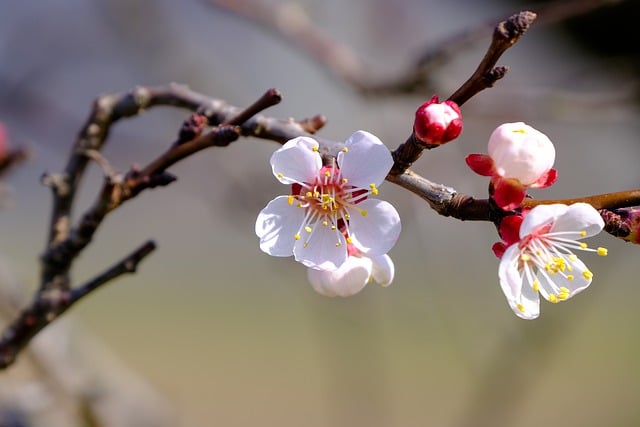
(623, 223)
(437, 122)
(521, 152)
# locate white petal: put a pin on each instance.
(579, 217)
(296, 161)
(352, 276)
(550, 284)
(321, 250)
(529, 303)
(510, 278)
(383, 269)
(521, 152)
(541, 215)
(378, 230)
(367, 160)
(522, 299)
(277, 225)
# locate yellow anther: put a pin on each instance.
(347, 217)
(309, 194)
(290, 200)
(325, 223)
(584, 245)
(374, 190)
(338, 244)
(573, 257)
(602, 251)
(587, 274)
(553, 298)
(316, 194)
(315, 148)
(300, 204)
(308, 229)
(345, 180)
(296, 236)
(583, 233)
(536, 285)
(525, 257)
(570, 277)
(280, 175)
(345, 150)
(349, 240)
(520, 308)
(564, 290)
(327, 174)
(563, 297)
(305, 244)
(520, 130)
(363, 212)
(333, 227)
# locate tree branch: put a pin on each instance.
(49, 304)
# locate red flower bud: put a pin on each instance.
(437, 122)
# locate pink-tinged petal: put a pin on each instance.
(325, 249)
(297, 161)
(540, 216)
(481, 164)
(383, 270)
(508, 193)
(375, 224)
(546, 180)
(366, 160)
(349, 279)
(277, 225)
(579, 217)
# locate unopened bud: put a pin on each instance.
(437, 122)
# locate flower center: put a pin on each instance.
(329, 201)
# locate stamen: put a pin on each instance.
(290, 199)
(374, 190)
(583, 233)
(587, 274)
(536, 285)
(602, 251)
(315, 148)
(345, 150)
(520, 308)
(553, 298)
(296, 236)
(308, 229)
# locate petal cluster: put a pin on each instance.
(543, 262)
(437, 122)
(519, 156)
(330, 206)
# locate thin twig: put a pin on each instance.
(48, 305)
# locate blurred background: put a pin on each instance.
(211, 331)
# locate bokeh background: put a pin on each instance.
(225, 335)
